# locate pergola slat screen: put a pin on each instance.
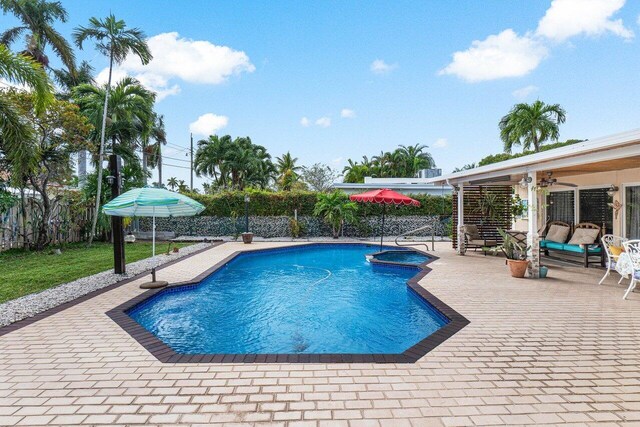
(594, 207)
(472, 215)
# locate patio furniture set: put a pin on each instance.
(582, 243)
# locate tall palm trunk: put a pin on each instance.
(144, 167)
(94, 221)
(82, 168)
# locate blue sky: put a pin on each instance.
(259, 68)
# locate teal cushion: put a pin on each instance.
(543, 243)
(572, 248)
(554, 245)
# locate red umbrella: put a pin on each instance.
(384, 197)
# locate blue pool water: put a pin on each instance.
(316, 299)
(405, 257)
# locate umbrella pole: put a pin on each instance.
(384, 209)
(153, 246)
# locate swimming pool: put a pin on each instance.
(314, 299)
(406, 256)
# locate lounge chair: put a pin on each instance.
(473, 239)
(613, 246)
(632, 248)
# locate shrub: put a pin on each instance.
(283, 203)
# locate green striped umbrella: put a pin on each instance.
(153, 202)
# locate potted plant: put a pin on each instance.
(516, 254)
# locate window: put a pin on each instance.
(561, 206)
(594, 207)
(632, 211)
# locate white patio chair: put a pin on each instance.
(632, 248)
(607, 241)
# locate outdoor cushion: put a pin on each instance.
(616, 250)
(543, 244)
(584, 236)
(580, 249)
(611, 264)
(558, 233)
(555, 245)
(472, 231)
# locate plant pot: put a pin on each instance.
(247, 238)
(543, 271)
(518, 267)
(176, 249)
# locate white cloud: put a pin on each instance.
(324, 122)
(498, 56)
(568, 18)
(524, 92)
(441, 143)
(337, 161)
(380, 67)
(347, 113)
(305, 122)
(178, 58)
(208, 124)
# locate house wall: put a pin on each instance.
(593, 180)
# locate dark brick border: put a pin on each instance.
(166, 354)
(29, 320)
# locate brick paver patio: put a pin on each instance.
(559, 350)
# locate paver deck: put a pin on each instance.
(559, 350)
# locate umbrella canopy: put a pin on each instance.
(154, 202)
(384, 197)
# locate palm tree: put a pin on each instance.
(115, 40)
(531, 124)
(38, 17)
(151, 152)
(21, 70)
(413, 159)
(336, 209)
(287, 170)
(172, 183)
(67, 81)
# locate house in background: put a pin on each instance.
(418, 185)
(595, 181)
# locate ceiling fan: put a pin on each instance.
(549, 181)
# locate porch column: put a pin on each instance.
(461, 248)
(532, 236)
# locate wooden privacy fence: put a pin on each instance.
(474, 197)
(66, 223)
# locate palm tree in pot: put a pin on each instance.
(516, 254)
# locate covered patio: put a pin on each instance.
(592, 182)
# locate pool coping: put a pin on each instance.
(165, 354)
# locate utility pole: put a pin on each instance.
(160, 166)
(191, 162)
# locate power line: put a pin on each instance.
(176, 166)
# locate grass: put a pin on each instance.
(23, 273)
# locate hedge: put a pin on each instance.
(283, 203)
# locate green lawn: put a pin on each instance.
(23, 273)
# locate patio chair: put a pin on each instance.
(632, 248)
(474, 239)
(609, 242)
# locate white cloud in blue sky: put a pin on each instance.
(324, 122)
(380, 67)
(347, 113)
(498, 56)
(508, 54)
(179, 58)
(208, 124)
(524, 92)
(441, 143)
(569, 18)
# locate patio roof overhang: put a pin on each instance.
(615, 152)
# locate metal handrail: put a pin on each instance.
(430, 226)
